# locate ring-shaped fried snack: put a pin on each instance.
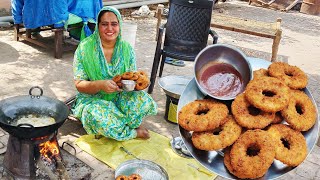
(137, 74)
(127, 75)
(301, 113)
(252, 154)
(292, 76)
(248, 116)
(122, 177)
(142, 83)
(227, 161)
(277, 118)
(134, 177)
(202, 115)
(219, 138)
(291, 146)
(119, 84)
(142, 73)
(268, 94)
(260, 73)
(135, 77)
(117, 78)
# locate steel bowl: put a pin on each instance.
(146, 169)
(220, 53)
(128, 85)
(173, 85)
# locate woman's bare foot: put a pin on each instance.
(142, 133)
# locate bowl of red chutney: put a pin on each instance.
(222, 71)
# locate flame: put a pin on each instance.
(49, 149)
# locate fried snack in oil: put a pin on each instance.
(300, 114)
(268, 94)
(253, 165)
(241, 110)
(292, 76)
(227, 135)
(291, 146)
(202, 115)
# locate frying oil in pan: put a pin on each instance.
(34, 120)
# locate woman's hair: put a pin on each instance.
(102, 13)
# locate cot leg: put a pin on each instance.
(16, 32)
(28, 33)
(58, 38)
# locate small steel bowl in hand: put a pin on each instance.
(128, 85)
(222, 71)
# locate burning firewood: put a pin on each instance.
(62, 169)
(50, 152)
(49, 172)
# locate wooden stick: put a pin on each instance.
(291, 5)
(51, 175)
(272, 1)
(275, 45)
(62, 169)
(276, 40)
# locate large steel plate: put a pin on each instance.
(211, 159)
(178, 146)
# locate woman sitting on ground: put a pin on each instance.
(103, 108)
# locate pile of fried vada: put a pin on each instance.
(262, 124)
(140, 77)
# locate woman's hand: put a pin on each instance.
(93, 87)
(142, 133)
(109, 86)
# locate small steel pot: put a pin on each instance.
(128, 85)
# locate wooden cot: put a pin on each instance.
(251, 27)
(23, 33)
